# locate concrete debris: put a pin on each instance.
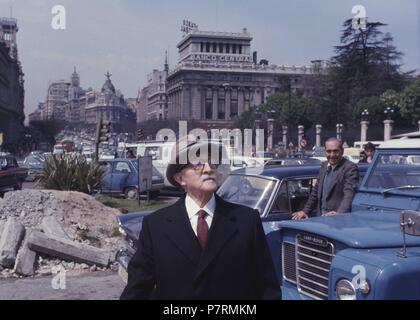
(76, 252)
(26, 258)
(70, 229)
(11, 238)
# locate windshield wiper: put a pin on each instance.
(400, 187)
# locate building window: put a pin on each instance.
(220, 47)
(207, 47)
(233, 48)
(201, 47)
(214, 47)
(240, 49)
(227, 48)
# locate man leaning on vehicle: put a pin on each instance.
(337, 181)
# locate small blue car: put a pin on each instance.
(121, 178)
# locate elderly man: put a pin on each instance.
(202, 247)
(337, 181)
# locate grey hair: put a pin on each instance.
(333, 139)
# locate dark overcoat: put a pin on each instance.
(235, 264)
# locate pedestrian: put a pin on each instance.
(337, 181)
(369, 150)
(130, 154)
(201, 247)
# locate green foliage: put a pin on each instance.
(69, 173)
(375, 107)
(410, 103)
(292, 110)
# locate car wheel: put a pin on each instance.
(131, 193)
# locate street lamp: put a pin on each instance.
(389, 112)
(365, 115)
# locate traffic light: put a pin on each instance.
(103, 131)
(139, 134)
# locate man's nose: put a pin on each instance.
(207, 167)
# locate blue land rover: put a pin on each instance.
(370, 253)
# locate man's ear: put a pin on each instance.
(178, 178)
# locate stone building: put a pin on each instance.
(152, 99)
(11, 86)
(108, 104)
(218, 77)
(57, 100)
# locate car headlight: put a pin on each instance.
(345, 290)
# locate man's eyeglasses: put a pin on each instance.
(199, 167)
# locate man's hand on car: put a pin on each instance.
(299, 215)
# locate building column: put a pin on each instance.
(241, 101)
(227, 103)
(285, 130)
(215, 102)
(364, 129)
(270, 129)
(387, 129)
(257, 96)
(339, 127)
(318, 129)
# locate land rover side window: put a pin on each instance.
(395, 173)
(281, 204)
(299, 191)
(292, 196)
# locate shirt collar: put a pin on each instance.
(192, 207)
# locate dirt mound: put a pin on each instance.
(82, 217)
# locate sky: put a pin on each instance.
(128, 38)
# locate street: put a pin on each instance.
(106, 285)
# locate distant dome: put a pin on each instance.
(108, 87)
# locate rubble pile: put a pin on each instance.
(40, 229)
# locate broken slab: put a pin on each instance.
(77, 252)
(10, 240)
(2, 222)
(53, 229)
(26, 258)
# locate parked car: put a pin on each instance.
(292, 162)
(11, 176)
(121, 178)
(276, 192)
(35, 164)
(372, 252)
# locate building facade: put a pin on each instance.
(108, 104)
(69, 102)
(152, 99)
(218, 77)
(11, 86)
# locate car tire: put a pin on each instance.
(131, 193)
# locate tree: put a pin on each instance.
(366, 64)
(48, 129)
(292, 111)
(410, 103)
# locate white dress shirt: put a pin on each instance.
(193, 208)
